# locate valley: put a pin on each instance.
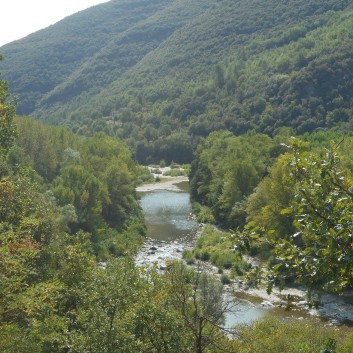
(237, 237)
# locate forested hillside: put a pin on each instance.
(286, 199)
(66, 204)
(256, 94)
(162, 74)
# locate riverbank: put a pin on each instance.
(335, 308)
(157, 251)
(167, 183)
(331, 307)
(163, 181)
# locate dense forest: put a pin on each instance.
(286, 199)
(256, 96)
(162, 74)
(69, 223)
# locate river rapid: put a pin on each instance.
(171, 229)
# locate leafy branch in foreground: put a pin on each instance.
(319, 251)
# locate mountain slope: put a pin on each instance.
(184, 69)
(38, 63)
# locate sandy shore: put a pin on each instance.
(167, 183)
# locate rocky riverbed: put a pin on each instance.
(331, 307)
(159, 252)
(335, 308)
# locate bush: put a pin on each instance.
(204, 256)
(175, 172)
(203, 213)
(188, 257)
(223, 260)
(225, 279)
(240, 268)
(156, 171)
(144, 175)
(291, 336)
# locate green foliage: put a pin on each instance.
(8, 130)
(78, 187)
(176, 172)
(225, 279)
(144, 175)
(290, 336)
(269, 206)
(299, 215)
(188, 257)
(161, 74)
(50, 148)
(203, 213)
(217, 247)
(54, 296)
(319, 253)
(92, 179)
(225, 171)
(198, 297)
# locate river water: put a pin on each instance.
(167, 215)
(171, 230)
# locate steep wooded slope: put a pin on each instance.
(38, 63)
(193, 67)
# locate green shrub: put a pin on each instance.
(204, 256)
(291, 336)
(144, 175)
(225, 279)
(203, 213)
(188, 257)
(240, 268)
(175, 172)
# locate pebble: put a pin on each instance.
(267, 304)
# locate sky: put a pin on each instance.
(22, 17)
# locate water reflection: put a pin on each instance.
(244, 312)
(167, 215)
(167, 219)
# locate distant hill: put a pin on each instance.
(163, 73)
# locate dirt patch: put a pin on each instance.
(167, 183)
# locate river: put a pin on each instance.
(171, 229)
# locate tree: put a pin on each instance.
(268, 206)
(199, 299)
(8, 131)
(125, 309)
(319, 254)
(82, 189)
(225, 171)
(120, 184)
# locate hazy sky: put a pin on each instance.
(22, 17)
